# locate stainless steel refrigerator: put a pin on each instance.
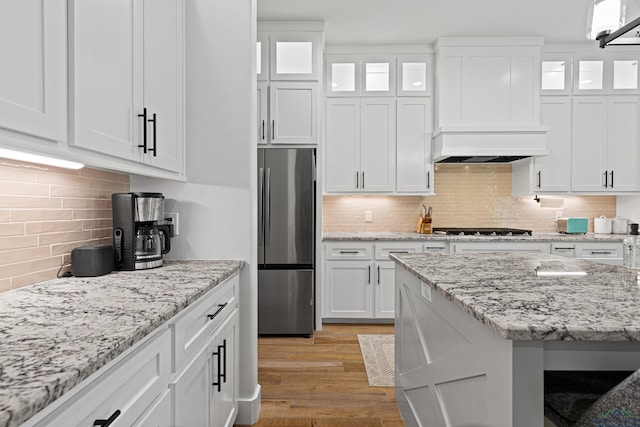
(286, 248)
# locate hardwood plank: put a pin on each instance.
(321, 381)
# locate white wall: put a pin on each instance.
(216, 207)
(628, 207)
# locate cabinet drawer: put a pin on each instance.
(382, 250)
(202, 318)
(349, 250)
(598, 250)
(436, 247)
(124, 391)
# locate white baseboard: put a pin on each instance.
(249, 409)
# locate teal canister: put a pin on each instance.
(630, 248)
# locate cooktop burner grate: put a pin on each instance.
(482, 231)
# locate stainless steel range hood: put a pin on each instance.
(488, 144)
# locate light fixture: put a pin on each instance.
(606, 23)
(36, 158)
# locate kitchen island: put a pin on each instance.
(475, 333)
(54, 335)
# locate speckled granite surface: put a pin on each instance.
(55, 334)
(503, 292)
(409, 236)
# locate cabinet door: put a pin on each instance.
(378, 145)
(293, 108)
(588, 145)
(348, 289)
(262, 113)
(342, 148)
(224, 408)
(414, 169)
(33, 79)
(163, 83)
(378, 76)
(193, 389)
(553, 172)
(295, 55)
(385, 290)
(414, 75)
(342, 75)
(107, 75)
(623, 143)
(262, 56)
(555, 74)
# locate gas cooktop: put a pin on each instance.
(482, 231)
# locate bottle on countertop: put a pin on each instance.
(630, 248)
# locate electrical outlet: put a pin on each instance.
(368, 216)
(558, 215)
(174, 220)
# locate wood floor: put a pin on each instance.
(321, 381)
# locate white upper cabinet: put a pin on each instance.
(360, 147)
(605, 149)
(294, 55)
(293, 112)
(378, 75)
(342, 75)
(414, 75)
(262, 59)
(127, 97)
(606, 73)
(414, 170)
(555, 74)
(33, 74)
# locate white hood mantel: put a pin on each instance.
(487, 97)
(488, 144)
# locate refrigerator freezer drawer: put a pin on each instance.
(285, 302)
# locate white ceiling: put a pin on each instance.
(423, 21)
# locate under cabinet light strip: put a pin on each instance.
(36, 158)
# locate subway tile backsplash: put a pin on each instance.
(466, 196)
(45, 212)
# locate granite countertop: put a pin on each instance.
(55, 334)
(413, 236)
(504, 293)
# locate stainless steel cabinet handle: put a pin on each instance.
(398, 252)
(273, 130)
(606, 182)
(434, 248)
(563, 249)
(601, 253)
(261, 204)
(539, 179)
(143, 116)
(378, 275)
(363, 180)
(349, 252)
(263, 130)
(155, 133)
(428, 180)
(357, 179)
(369, 278)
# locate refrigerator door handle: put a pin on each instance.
(267, 208)
(261, 206)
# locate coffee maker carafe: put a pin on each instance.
(140, 239)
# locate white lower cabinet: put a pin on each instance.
(205, 390)
(122, 391)
(512, 247)
(143, 388)
(602, 252)
(359, 279)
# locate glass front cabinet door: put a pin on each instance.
(414, 75)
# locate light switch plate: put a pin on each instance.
(174, 220)
(368, 216)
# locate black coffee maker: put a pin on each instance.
(140, 237)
